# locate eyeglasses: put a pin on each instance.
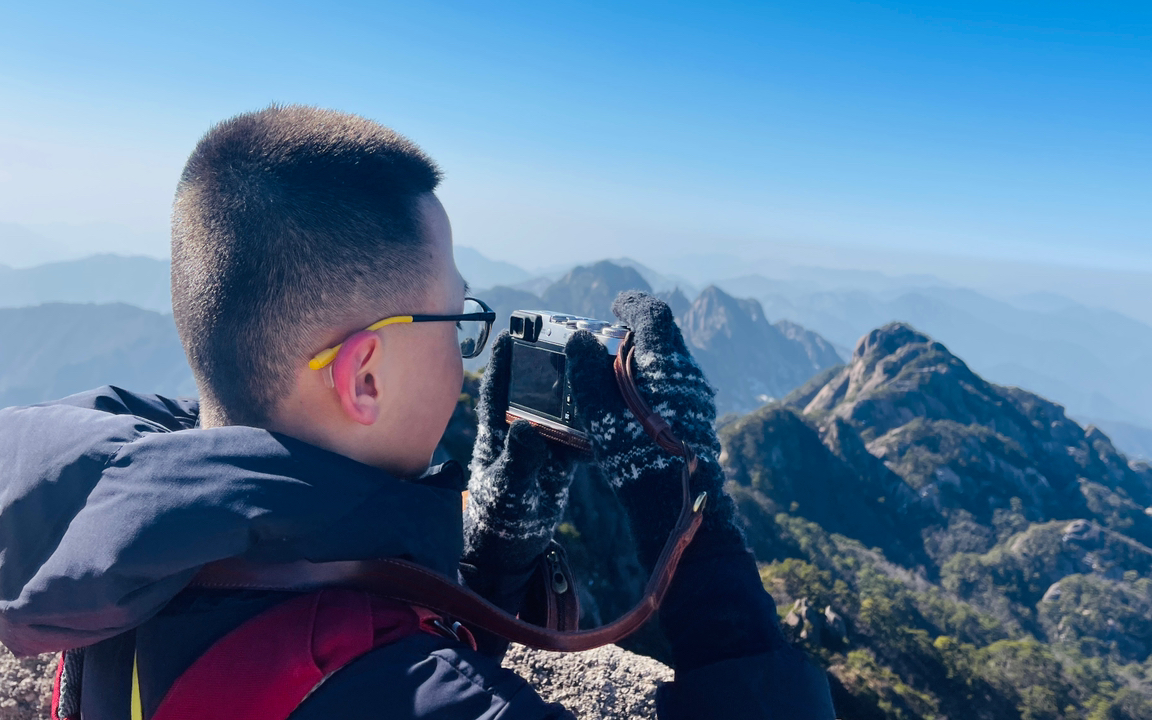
(472, 329)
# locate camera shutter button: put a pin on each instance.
(593, 325)
(615, 331)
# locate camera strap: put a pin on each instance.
(414, 584)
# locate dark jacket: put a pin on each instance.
(110, 502)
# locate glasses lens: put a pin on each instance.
(472, 333)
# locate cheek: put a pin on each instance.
(425, 391)
(453, 372)
(444, 375)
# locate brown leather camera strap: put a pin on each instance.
(411, 583)
(654, 424)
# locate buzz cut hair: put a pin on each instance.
(289, 223)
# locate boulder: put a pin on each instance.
(835, 634)
(608, 683)
(804, 622)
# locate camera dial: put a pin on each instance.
(592, 325)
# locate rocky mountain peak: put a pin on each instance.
(964, 444)
(887, 340)
(716, 313)
(897, 374)
(749, 360)
(897, 358)
(821, 352)
(589, 290)
(677, 301)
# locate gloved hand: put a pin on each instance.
(716, 609)
(645, 476)
(519, 483)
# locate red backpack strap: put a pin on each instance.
(265, 668)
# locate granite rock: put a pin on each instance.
(603, 684)
(25, 685)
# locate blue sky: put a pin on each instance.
(572, 131)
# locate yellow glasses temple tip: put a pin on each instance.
(324, 357)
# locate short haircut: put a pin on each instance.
(288, 223)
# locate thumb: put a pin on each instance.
(492, 404)
(525, 452)
(494, 384)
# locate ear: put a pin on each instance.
(354, 377)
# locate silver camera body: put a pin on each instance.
(538, 385)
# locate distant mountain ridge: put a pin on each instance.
(145, 281)
(1094, 362)
(1135, 441)
(747, 359)
(482, 272)
(21, 247)
(53, 350)
(139, 281)
(590, 290)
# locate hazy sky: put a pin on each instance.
(570, 131)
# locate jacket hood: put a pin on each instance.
(110, 502)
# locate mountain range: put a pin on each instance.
(946, 547)
(22, 247)
(1093, 361)
(747, 359)
(140, 281)
(1024, 328)
(145, 281)
(56, 349)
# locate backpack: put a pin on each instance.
(278, 657)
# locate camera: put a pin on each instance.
(538, 386)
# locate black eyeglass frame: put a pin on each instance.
(488, 316)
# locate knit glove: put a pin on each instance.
(646, 477)
(716, 608)
(519, 483)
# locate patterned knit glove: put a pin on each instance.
(519, 483)
(716, 608)
(645, 476)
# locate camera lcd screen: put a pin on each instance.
(537, 379)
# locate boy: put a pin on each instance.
(324, 319)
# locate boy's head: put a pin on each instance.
(293, 229)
